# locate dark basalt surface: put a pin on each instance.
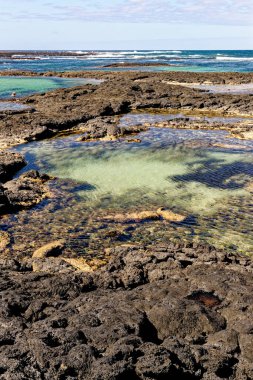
(162, 312)
(10, 163)
(155, 312)
(120, 93)
(23, 192)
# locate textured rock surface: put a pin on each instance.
(22, 192)
(10, 163)
(120, 93)
(52, 249)
(179, 312)
(25, 191)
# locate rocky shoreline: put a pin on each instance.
(179, 311)
(120, 93)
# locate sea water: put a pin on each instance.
(181, 60)
(181, 170)
(23, 86)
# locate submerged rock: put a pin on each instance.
(147, 215)
(169, 215)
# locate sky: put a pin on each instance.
(126, 24)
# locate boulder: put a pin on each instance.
(25, 191)
(10, 163)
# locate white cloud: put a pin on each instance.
(226, 12)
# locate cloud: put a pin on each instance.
(226, 12)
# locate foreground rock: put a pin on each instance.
(179, 312)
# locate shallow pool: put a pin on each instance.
(182, 170)
(24, 86)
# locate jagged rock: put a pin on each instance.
(122, 321)
(10, 163)
(25, 191)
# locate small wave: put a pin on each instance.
(196, 56)
(80, 52)
(224, 58)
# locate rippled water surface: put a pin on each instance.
(182, 170)
(12, 106)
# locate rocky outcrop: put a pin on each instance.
(10, 163)
(180, 312)
(22, 192)
(68, 109)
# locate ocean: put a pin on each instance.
(178, 60)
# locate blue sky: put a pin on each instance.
(126, 24)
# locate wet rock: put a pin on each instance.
(25, 191)
(134, 140)
(4, 240)
(4, 203)
(169, 215)
(52, 249)
(135, 216)
(141, 216)
(79, 263)
(70, 109)
(10, 163)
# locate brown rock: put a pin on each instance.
(79, 263)
(52, 249)
(169, 215)
(4, 240)
(135, 216)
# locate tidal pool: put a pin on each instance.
(243, 88)
(182, 170)
(12, 106)
(24, 86)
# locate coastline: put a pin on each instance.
(134, 311)
(121, 93)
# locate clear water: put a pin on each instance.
(12, 106)
(246, 88)
(177, 169)
(186, 60)
(29, 85)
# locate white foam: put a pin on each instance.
(228, 58)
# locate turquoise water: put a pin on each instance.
(182, 60)
(23, 86)
(181, 170)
